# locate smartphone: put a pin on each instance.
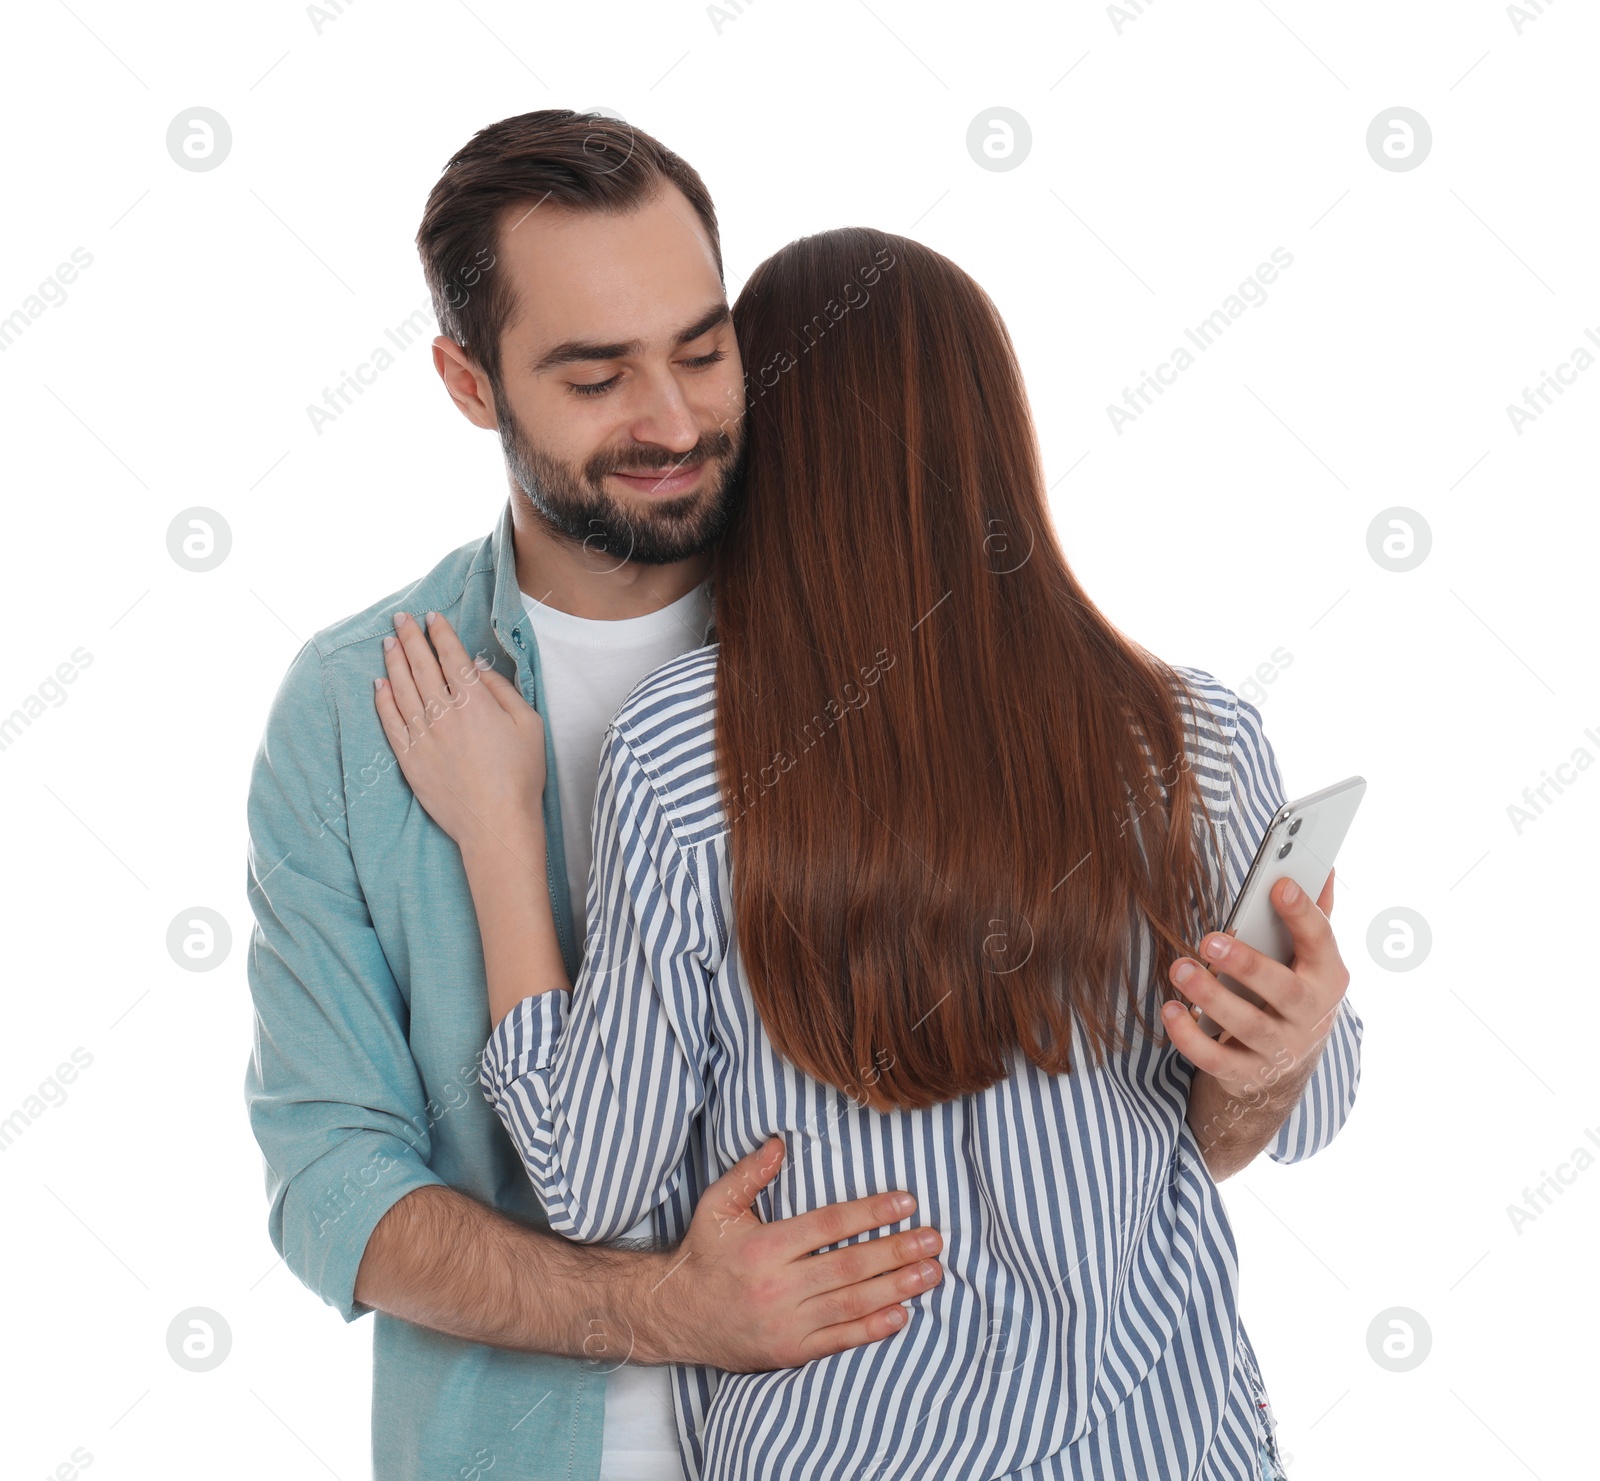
(1301, 842)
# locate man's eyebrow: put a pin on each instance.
(717, 314)
(574, 350)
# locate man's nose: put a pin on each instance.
(665, 419)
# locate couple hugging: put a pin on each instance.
(719, 938)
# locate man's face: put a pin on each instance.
(622, 399)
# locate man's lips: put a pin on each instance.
(669, 480)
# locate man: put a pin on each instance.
(576, 271)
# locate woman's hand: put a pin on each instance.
(469, 745)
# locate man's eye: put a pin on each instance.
(701, 361)
(599, 388)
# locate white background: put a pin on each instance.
(1171, 152)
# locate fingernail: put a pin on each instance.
(399, 617)
(928, 1240)
(1183, 972)
(928, 1271)
(432, 618)
(1291, 893)
(388, 641)
(897, 1317)
(904, 1202)
(1217, 948)
(1171, 1012)
(377, 683)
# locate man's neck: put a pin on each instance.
(591, 583)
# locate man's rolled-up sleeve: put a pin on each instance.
(1256, 794)
(334, 1096)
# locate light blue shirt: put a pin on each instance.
(371, 1015)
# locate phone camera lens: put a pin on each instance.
(1283, 853)
(1294, 827)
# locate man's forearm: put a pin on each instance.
(442, 1260)
(1232, 1130)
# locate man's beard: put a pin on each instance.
(574, 504)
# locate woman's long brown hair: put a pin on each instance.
(953, 787)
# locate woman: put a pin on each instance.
(864, 879)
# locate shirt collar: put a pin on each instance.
(507, 614)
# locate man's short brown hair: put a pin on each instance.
(583, 161)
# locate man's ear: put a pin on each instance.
(466, 381)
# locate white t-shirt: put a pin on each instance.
(589, 667)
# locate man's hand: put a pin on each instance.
(736, 1294)
(1246, 1084)
(745, 1296)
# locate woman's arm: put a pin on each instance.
(511, 894)
(598, 1087)
(473, 755)
(750, 1295)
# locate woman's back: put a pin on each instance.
(1087, 1323)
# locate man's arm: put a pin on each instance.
(736, 1294)
(335, 1098)
(1231, 1129)
(344, 1122)
(1287, 1079)
(1291, 1119)
(441, 1259)
(1284, 1077)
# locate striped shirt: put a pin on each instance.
(1088, 1321)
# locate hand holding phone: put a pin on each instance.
(1301, 842)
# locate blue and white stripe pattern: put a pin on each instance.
(1088, 1322)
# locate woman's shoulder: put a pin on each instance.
(1211, 713)
(1228, 745)
(668, 723)
(1209, 705)
(675, 688)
